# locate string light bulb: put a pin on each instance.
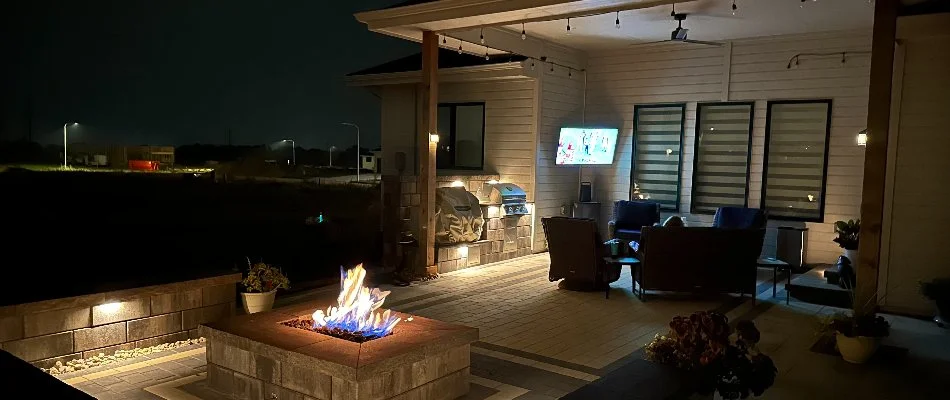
(570, 73)
(552, 67)
(532, 65)
(524, 34)
(443, 40)
(673, 13)
(735, 8)
(460, 47)
(617, 22)
(481, 35)
(486, 55)
(568, 26)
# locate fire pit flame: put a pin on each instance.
(356, 309)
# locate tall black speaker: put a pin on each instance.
(585, 195)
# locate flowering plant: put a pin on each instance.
(263, 278)
(702, 343)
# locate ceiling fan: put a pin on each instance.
(679, 34)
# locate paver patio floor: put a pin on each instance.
(539, 342)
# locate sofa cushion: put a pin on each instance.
(634, 214)
(627, 234)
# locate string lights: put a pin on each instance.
(460, 46)
(617, 22)
(524, 35)
(481, 35)
(735, 8)
(568, 26)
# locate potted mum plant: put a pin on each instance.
(856, 337)
(938, 290)
(848, 232)
(260, 287)
(719, 362)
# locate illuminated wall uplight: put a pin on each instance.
(811, 197)
(669, 152)
(433, 138)
(110, 307)
(863, 138)
(463, 251)
(493, 182)
(458, 184)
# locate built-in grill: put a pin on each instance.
(509, 196)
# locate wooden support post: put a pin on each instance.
(429, 94)
(875, 156)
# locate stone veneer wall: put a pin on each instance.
(45, 332)
(504, 238)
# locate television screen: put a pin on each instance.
(586, 146)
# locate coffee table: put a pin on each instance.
(634, 269)
(776, 265)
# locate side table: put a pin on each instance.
(776, 265)
(634, 270)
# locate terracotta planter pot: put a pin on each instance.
(258, 302)
(857, 349)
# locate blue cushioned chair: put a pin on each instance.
(739, 218)
(630, 217)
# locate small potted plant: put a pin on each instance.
(848, 232)
(857, 337)
(718, 361)
(260, 287)
(938, 290)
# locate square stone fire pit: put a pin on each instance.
(256, 357)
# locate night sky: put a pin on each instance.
(185, 71)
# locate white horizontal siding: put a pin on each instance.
(509, 125)
(560, 104)
(619, 80)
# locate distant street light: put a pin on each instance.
(65, 157)
(331, 155)
(293, 149)
(359, 155)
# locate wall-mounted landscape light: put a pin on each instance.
(863, 138)
(434, 138)
(458, 184)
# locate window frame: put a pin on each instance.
(453, 107)
(633, 157)
(824, 171)
(748, 163)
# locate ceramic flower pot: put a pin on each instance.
(258, 302)
(857, 349)
(852, 256)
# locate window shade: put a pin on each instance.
(658, 136)
(796, 155)
(721, 166)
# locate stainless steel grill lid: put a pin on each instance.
(509, 196)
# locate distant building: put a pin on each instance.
(369, 162)
(119, 156)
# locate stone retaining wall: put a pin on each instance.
(65, 329)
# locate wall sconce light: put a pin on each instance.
(458, 184)
(110, 307)
(863, 138)
(463, 251)
(492, 182)
(434, 138)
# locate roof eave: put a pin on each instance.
(510, 70)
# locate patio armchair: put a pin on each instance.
(739, 218)
(577, 254)
(630, 217)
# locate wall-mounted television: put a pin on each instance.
(586, 146)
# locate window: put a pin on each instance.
(796, 159)
(462, 136)
(657, 146)
(721, 165)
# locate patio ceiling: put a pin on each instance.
(593, 21)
